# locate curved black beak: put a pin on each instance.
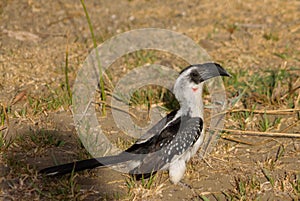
(210, 70)
(206, 71)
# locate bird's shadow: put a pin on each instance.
(36, 149)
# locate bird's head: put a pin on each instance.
(189, 84)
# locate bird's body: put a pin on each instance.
(171, 143)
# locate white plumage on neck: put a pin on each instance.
(189, 96)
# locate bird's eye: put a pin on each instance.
(195, 77)
(194, 74)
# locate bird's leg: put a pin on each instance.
(185, 185)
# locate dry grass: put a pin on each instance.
(258, 42)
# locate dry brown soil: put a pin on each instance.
(239, 34)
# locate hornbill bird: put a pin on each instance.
(169, 144)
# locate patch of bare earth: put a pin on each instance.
(252, 36)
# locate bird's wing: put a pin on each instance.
(154, 131)
(174, 140)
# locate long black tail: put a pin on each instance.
(70, 167)
(87, 164)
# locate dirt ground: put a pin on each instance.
(244, 36)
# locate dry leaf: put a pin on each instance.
(19, 97)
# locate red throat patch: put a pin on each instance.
(194, 89)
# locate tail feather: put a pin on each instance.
(87, 164)
(70, 167)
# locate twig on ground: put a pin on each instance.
(290, 126)
(274, 112)
(282, 111)
(236, 140)
(3, 128)
(268, 134)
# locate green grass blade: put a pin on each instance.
(101, 82)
